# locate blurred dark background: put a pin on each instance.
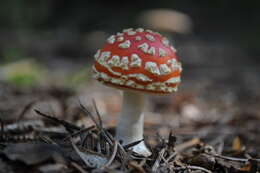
(216, 39)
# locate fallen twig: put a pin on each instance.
(68, 126)
(233, 158)
(158, 160)
(88, 113)
(98, 114)
(188, 144)
(78, 167)
(79, 132)
(199, 168)
(111, 159)
(127, 146)
(25, 109)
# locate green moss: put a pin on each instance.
(24, 73)
(25, 80)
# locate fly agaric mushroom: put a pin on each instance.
(137, 62)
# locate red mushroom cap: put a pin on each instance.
(140, 60)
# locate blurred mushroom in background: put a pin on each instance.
(166, 20)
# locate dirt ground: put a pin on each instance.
(207, 126)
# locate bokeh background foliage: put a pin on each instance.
(221, 33)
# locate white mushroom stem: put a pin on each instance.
(131, 122)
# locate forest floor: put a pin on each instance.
(204, 128)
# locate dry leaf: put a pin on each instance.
(236, 144)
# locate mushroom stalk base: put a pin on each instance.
(131, 122)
